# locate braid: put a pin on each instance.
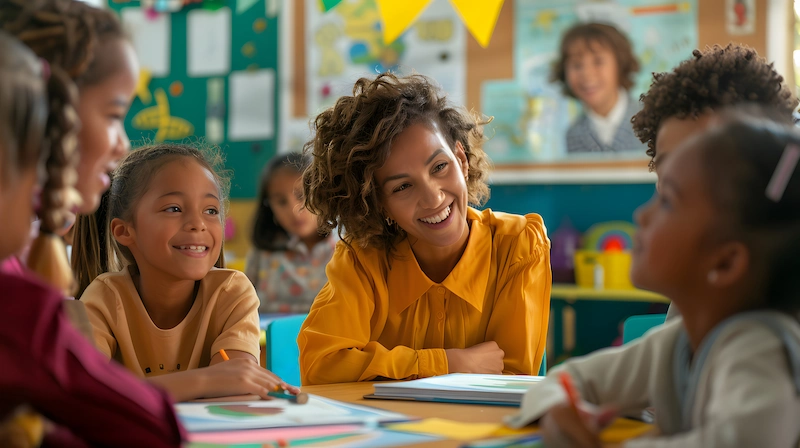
(58, 194)
(67, 34)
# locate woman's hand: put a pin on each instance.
(486, 357)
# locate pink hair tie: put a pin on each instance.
(45, 69)
(783, 172)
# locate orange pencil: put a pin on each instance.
(569, 387)
(224, 355)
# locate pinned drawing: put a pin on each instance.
(158, 118)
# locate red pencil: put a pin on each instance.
(569, 387)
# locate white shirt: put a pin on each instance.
(606, 127)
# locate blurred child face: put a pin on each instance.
(102, 108)
(674, 131)
(676, 228)
(16, 197)
(423, 187)
(177, 226)
(286, 201)
(592, 74)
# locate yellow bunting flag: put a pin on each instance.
(398, 15)
(480, 17)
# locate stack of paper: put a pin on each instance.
(460, 388)
(238, 415)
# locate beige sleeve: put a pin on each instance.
(616, 376)
(100, 306)
(237, 308)
(748, 401)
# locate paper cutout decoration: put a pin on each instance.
(244, 5)
(158, 117)
(398, 15)
(176, 88)
(480, 17)
(328, 4)
(259, 25)
(142, 86)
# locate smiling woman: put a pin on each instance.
(421, 283)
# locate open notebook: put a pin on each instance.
(504, 390)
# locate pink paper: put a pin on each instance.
(268, 435)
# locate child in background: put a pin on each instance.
(721, 240)
(97, 72)
(596, 66)
(287, 263)
(683, 102)
(47, 365)
(166, 312)
(422, 284)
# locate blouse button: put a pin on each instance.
(440, 315)
(440, 290)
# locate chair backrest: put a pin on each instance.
(543, 367)
(283, 355)
(636, 326)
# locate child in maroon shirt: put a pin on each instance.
(47, 366)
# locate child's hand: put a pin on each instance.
(486, 357)
(563, 427)
(240, 376)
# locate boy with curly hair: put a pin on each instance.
(421, 284)
(684, 102)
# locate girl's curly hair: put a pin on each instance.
(710, 80)
(353, 139)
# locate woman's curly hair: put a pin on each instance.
(711, 79)
(353, 139)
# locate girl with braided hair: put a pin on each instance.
(48, 367)
(92, 73)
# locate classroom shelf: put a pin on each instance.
(574, 292)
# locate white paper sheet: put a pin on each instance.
(251, 106)
(151, 38)
(208, 42)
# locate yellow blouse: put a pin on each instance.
(370, 321)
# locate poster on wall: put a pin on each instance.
(533, 115)
(346, 43)
(740, 17)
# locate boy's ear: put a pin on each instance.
(461, 155)
(122, 231)
(731, 265)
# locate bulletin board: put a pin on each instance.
(497, 63)
(197, 102)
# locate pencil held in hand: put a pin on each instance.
(224, 355)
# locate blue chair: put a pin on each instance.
(543, 367)
(636, 326)
(283, 355)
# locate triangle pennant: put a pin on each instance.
(397, 16)
(480, 17)
(327, 5)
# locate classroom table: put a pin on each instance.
(469, 413)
